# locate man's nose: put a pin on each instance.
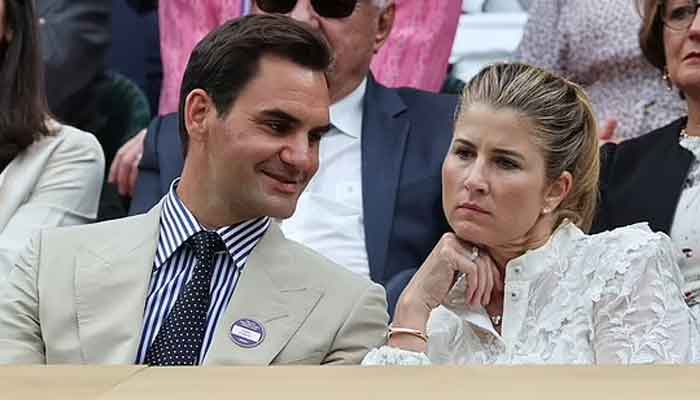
(304, 12)
(300, 153)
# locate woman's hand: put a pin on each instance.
(607, 132)
(433, 281)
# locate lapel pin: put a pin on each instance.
(247, 333)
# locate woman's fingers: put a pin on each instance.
(483, 280)
(486, 298)
(498, 281)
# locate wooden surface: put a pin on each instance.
(61, 382)
(309, 383)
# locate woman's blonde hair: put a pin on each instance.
(565, 127)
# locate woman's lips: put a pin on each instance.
(692, 55)
(472, 207)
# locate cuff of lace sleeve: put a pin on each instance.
(386, 355)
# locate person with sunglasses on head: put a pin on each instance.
(656, 178)
(374, 205)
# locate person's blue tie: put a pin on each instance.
(180, 338)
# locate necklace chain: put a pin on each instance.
(684, 135)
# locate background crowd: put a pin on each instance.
(454, 206)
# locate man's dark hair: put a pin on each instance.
(228, 58)
(23, 109)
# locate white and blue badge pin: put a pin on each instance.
(247, 333)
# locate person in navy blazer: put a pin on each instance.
(405, 136)
(642, 179)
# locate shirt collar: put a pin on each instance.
(346, 114)
(539, 260)
(178, 224)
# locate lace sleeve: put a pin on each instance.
(387, 355)
(640, 316)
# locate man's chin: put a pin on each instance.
(282, 211)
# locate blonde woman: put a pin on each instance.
(520, 281)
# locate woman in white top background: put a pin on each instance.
(50, 174)
(520, 281)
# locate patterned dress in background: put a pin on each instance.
(415, 55)
(418, 50)
(595, 43)
(183, 23)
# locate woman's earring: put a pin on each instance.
(667, 79)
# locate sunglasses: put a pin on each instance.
(324, 8)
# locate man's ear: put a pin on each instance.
(557, 192)
(384, 25)
(198, 111)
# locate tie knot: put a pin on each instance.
(205, 244)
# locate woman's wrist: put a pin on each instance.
(410, 315)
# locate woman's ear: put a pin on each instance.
(557, 192)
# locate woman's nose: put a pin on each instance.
(475, 180)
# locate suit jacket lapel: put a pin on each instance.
(111, 285)
(385, 130)
(658, 181)
(265, 293)
(8, 193)
(667, 183)
(21, 175)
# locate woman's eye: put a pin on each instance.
(464, 153)
(680, 13)
(507, 163)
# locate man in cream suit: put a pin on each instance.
(206, 277)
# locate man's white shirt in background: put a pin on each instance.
(329, 216)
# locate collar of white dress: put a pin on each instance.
(525, 268)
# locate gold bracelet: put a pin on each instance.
(395, 330)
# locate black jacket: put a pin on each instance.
(642, 179)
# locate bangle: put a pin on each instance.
(396, 330)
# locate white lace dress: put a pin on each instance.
(610, 298)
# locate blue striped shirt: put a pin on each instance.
(175, 261)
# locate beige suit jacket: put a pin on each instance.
(54, 182)
(78, 297)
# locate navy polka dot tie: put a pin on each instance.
(180, 338)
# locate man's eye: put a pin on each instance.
(315, 137)
(278, 126)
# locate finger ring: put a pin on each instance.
(475, 254)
